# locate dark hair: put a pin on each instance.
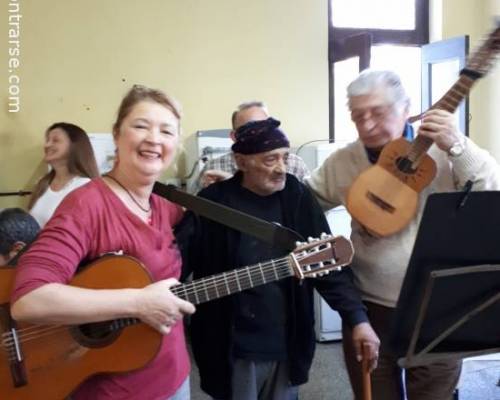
(140, 93)
(16, 225)
(81, 160)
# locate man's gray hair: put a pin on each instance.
(370, 81)
(245, 106)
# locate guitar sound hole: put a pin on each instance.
(405, 165)
(97, 330)
(98, 334)
(380, 203)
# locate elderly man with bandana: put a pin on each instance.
(259, 344)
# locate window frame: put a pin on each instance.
(433, 53)
(337, 37)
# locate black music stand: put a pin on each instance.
(449, 306)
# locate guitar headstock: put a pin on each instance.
(484, 57)
(320, 256)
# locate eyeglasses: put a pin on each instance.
(376, 113)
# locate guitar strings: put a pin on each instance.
(443, 103)
(271, 268)
(34, 331)
(53, 337)
(229, 278)
(40, 332)
(219, 280)
(31, 332)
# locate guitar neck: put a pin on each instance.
(224, 284)
(220, 285)
(452, 98)
(449, 102)
(312, 259)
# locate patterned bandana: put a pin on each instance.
(259, 136)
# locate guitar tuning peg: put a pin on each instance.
(310, 239)
(323, 235)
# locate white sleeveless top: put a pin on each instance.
(48, 202)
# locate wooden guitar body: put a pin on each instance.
(57, 359)
(385, 196)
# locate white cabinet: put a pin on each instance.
(203, 146)
(328, 323)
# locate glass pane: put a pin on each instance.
(444, 75)
(374, 14)
(406, 62)
(345, 72)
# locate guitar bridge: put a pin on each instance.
(380, 203)
(12, 347)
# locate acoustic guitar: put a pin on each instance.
(384, 198)
(49, 362)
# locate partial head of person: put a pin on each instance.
(246, 112)
(261, 153)
(17, 229)
(379, 107)
(66, 146)
(146, 133)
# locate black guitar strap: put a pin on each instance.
(271, 233)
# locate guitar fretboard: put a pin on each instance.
(449, 102)
(224, 284)
(216, 286)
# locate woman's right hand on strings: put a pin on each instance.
(160, 308)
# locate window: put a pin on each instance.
(388, 21)
(386, 35)
(374, 15)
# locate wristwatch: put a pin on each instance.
(456, 149)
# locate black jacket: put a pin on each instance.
(209, 248)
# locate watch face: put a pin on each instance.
(456, 149)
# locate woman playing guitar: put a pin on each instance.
(116, 213)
